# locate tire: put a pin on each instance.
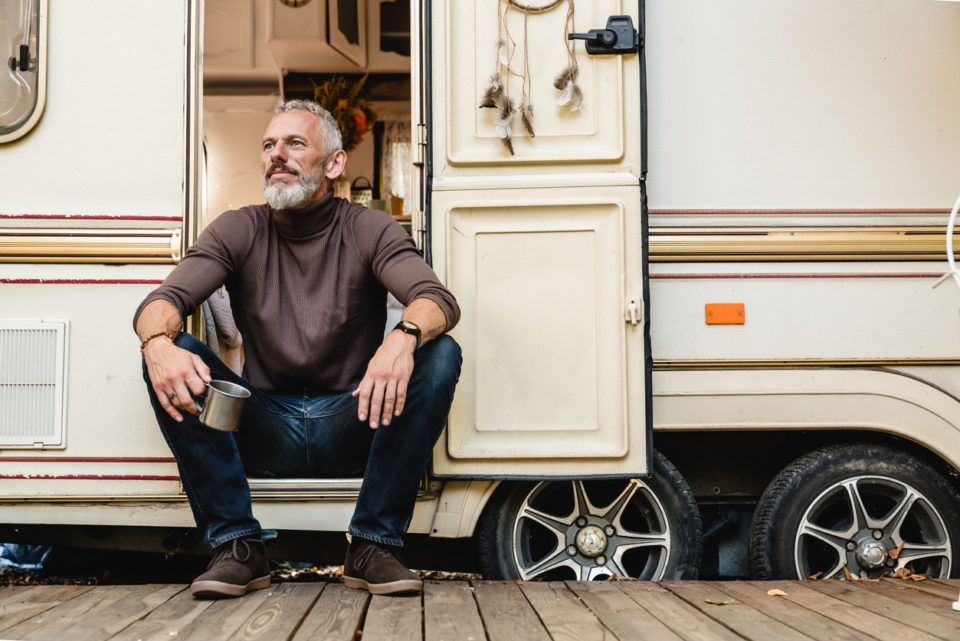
(646, 528)
(807, 525)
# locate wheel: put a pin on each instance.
(593, 529)
(867, 508)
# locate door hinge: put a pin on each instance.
(633, 313)
(420, 151)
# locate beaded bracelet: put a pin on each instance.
(153, 336)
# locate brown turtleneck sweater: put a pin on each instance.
(308, 288)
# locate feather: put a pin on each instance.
(576, 99)
(502, 52)
(566, 95)
(505, 124)
(493, 92)
(526, 117)
(567, 75)
(506, 111)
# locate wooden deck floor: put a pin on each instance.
(495, 610)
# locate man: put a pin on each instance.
(307, 275)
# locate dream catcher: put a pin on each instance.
(497, 94)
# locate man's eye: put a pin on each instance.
(296, 143)
(267, 146)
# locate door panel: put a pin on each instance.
(540, 288)
(542, 248)
(593, 134)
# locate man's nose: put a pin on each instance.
(279, 152)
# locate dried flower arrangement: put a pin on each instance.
(345, 102)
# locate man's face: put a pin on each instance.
(292, 162)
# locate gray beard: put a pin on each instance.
(298, 195)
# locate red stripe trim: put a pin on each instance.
(88, 477)
(87, 459)
(780, 275)
(177, 219)
(79, 281)
(796, 211)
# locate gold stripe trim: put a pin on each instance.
(718, 244)
(23, 245)
(802, 363)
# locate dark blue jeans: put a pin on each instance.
(312, 435)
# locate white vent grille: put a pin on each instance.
(32, 366)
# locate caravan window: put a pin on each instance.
(22, 78)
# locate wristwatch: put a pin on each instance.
(410, 328)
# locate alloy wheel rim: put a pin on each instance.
(592, 530)
(871, 526)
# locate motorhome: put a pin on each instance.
(694, 244)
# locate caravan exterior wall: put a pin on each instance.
(801, 163)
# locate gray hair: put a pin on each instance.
(332, 139)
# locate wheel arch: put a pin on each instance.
(816, 400)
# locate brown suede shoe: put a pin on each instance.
(238, 566)
(375, 568)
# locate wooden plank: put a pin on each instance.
(563, 613)
(908, 592)
(450, 612)
(33, 600)
(754, 594)
(281, 613)
(879, 627)
(621, 614)
(53, 623)
(506, 614)
(167, 621)
(733, 613)
(336, 616)
(933, 588)
(394, 618)
(681, 617)
(858, 594)
(222, 618)
(101, 623)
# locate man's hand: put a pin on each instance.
(175, 375)
(383, 389)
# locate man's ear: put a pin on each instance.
(335, 164)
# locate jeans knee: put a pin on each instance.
(443, 359)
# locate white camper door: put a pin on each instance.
(543, 247)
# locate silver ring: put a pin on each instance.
(171, 396)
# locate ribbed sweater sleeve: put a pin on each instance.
(396, 263)
(207, 264)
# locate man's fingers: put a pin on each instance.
(401, 396)
(376, 401)
(389, 398)
(167, 404)
(362, 393)
(184, 399)
(201, 368)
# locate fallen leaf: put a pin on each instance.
(715, 602)
(902, 573)
(895, 553)
(776, 592)
(814, 577)
(846, 573)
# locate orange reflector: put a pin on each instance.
(725, 313)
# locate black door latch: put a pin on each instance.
(23, 62)
(619, 37)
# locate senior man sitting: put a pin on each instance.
(307, 275)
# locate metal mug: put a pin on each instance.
(223, 406)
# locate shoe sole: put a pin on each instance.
(406, 586)
(216, 589)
